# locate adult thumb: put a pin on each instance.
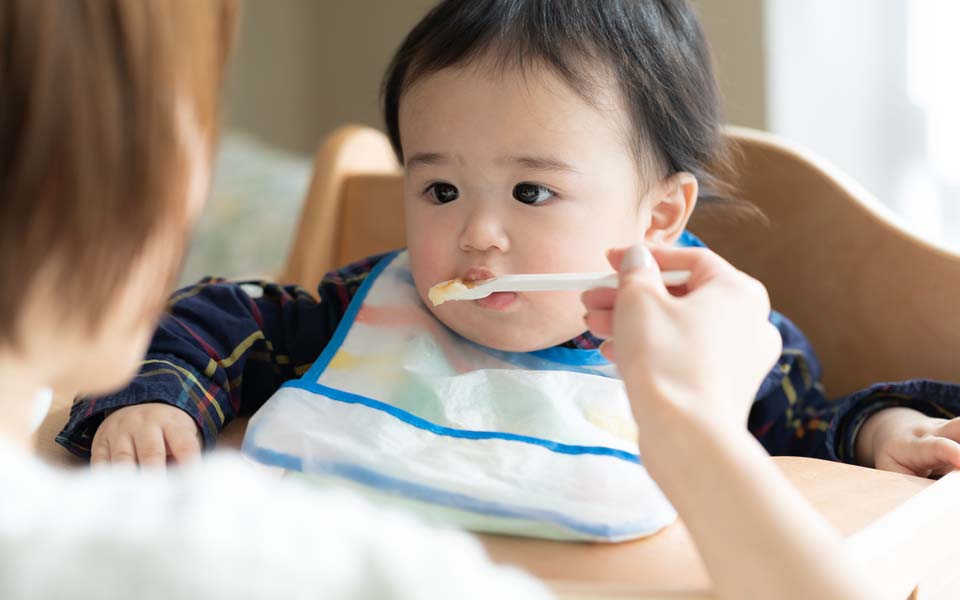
(638, 263)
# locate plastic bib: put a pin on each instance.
(541, 444)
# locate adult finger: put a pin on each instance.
(608, 351)
(600, 323)
(599, 298)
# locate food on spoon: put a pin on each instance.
(445, 290)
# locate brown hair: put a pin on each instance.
(92, 162)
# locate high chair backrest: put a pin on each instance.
(876, 302)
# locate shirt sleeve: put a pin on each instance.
(223, 348)
(791, 415)
(217, 529)
(933, 398)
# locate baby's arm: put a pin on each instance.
(908, 427)
(791, 415)
(146, 434)
(907, 441)
(220, 351)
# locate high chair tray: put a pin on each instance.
(853, 499)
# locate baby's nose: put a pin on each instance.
(484, 231)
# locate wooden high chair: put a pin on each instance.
(876, 302)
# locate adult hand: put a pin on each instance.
(701, 350)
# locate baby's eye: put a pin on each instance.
(443, 192)
(531, 193)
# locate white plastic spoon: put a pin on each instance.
(456, 289)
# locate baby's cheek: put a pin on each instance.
(585, 253)
(560, 313)
(425, 271)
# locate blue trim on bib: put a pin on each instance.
(688, 240)
(574, 357)
(420, 423)
(346, 323)
(463, 502)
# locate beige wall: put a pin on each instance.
(736, 30)
(303, 67)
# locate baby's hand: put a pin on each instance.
(906, 441)
(146, 434)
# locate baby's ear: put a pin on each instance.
(673, 201)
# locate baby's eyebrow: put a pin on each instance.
(426, 159)
(533, 163)
(542, 163)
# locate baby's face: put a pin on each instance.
(515, 173)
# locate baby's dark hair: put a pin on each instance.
(654, 50)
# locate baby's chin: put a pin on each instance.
(504, 336)
(506, 344)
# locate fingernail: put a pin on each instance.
(638, 257)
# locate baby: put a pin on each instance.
(534, 135)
